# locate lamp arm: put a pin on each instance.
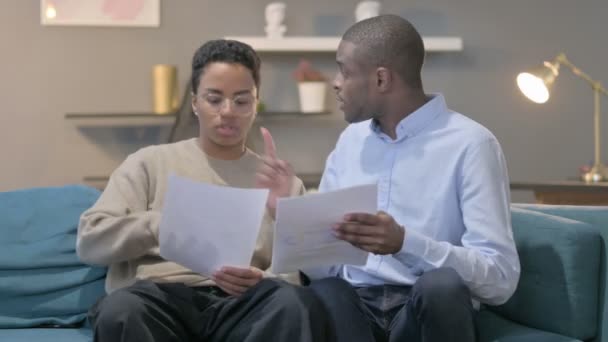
(596, 85)
(598, 172)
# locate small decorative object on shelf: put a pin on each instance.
(367, 9)
(275, 14)
(584, 169)
(164, 88)
(311, 87)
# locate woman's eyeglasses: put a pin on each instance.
(242, 105)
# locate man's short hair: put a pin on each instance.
(392, 42)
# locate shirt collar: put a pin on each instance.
(417, 120)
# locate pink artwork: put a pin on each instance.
(100, 12)
(123, 10)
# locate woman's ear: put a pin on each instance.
(194, 104)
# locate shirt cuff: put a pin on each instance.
(413, 249)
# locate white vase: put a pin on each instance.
(312, 96)
(275, 14)
(367, 9)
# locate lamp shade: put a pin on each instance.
(536, 84)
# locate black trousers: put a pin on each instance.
(273, 310)
(437, 308)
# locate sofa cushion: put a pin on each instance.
(493, 328)
(46, 335)
(598, 217)
(558, 288)
(42, 281)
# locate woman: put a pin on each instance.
(151, 299)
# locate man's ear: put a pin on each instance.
(384, 79)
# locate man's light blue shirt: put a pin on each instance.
(443, 178)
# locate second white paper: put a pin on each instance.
(204, 227)
(303, 231)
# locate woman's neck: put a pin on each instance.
(222, 152)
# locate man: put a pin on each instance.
(152, 299)
(442, 237)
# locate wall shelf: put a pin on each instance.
(120, 119)
(151, 119)
(288, 116)
(330, 44)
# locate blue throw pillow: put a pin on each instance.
(42, 281)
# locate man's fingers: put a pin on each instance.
(355, 228)
(358, 240)
(270, 149)
(364, 218)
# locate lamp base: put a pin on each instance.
(595, 175)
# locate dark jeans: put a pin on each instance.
(437, 308)
(273, 310)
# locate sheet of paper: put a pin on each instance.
(204, 227)
(303, 235)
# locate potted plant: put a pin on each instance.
(311, 88)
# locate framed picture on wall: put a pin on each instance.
(137, 13)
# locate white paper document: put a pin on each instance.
(303, 232)
(204, 227)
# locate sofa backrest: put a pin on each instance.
(42, 281)
(596, 216)
(558, 289)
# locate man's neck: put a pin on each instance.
(399, 107)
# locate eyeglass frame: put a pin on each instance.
(217, 108)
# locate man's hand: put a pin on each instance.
(274, 174)
(378, 234)
(235, 281)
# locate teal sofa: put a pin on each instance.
(561, 291)
(45, 291)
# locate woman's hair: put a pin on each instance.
(225, 51)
